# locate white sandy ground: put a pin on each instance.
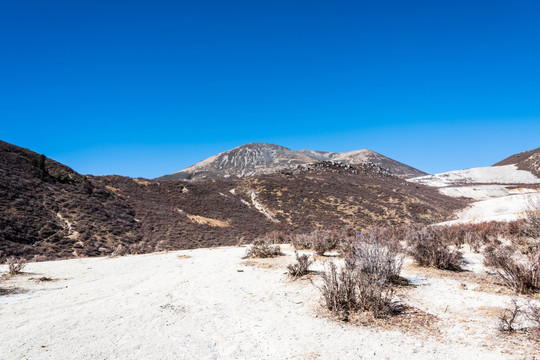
(507, 174)
(195, 304)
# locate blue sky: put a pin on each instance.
(146, 88)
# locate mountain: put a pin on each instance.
(260, 158)
(527, 160)
(50, 211)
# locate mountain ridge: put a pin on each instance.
(262, 158)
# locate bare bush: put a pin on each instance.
(324, 241)
(428, 250)
(508, 317)
(339, 290)
(521, 272)
(320, 241)
(120, 250)
(15, 265)
(302, 241)
(261, 249)
(277, 237)
(533, 314)
(375, 258)
(349, 290)
(530, 227)
(300, 268)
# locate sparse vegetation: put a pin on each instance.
(519, 271)
(261, 249)
(320, 241)
(348, 290)
(300, 268)
(365, 283)
(524, 318)
(15, 265)
(376, 255)
(427, 249)
(533, 314)
(508, 317)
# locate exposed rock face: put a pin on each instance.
(260, 158)
(527, 160)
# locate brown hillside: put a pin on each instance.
(48, 209)
(527, 160)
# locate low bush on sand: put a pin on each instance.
(523, 318)
(365, 283)
(319, 240)
(15, 265)
(376, 255)
(427, 248)
(261, 249)
(517, 270)
(301, 267)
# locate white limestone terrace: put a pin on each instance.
(507, 174)
(494, 189)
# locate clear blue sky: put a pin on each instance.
(146, 88)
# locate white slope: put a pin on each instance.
(507, 174)
(212, 304)
(493, 189)
(505, 208)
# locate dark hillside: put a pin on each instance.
(48, 209)
(527, 160)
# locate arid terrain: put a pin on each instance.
(428, 267)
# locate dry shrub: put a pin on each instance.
(120, 250)
(525, 318)
(519, 271)
(508, 317)
(261, 249)
(276, 237)
(374, 255)
(302, 241)
(476, 235)
(320, 241)
(533, 314)
(348, 290)
(15, 265)
(140, 248)
(300, 268)
(530, 226)
(366, 281)
(427, 248)
(324, 241)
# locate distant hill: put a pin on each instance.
(260, 158)
(527, 160)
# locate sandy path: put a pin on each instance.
(162, 306)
